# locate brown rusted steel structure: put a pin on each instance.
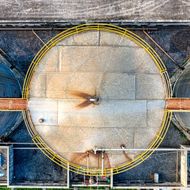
(13, 104)
(178, 104)
(16, 104)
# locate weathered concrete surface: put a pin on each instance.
(130, 86)
(84, 10)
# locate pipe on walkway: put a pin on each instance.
(178, 104)
(17, 104)
(13, 104)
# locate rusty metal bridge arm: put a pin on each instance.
(13, 104)
(178, 104)
(19, 104)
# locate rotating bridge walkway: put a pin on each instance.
(20, 104)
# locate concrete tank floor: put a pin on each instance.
(122, 74)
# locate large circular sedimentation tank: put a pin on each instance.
(92, 89)
(182, 89)
(9, 87)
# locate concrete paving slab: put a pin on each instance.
(50, 62)
(111, 114)
(63, 136)
(40, 109)
(141, 141)
(116, 40)
(106, 59)
(155, 112)
(38, 86)
(117, 86)
(150, 86)
(82, 39)
(80, 140)
(84, 59)
(61, 85)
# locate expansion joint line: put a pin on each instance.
(38, 37)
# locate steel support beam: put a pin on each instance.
(178, 104)
(13, 104)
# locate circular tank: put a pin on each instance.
(96, 98)
(9, 87)
(182, 89)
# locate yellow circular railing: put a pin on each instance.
(53, 155)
